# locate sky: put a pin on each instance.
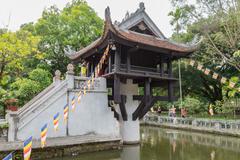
(13, 13)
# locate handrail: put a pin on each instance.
(42, 109)
(43, 99)
(50, 87)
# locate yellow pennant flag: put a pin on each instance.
(89, 84)
(223, 80)
(207, 71)
(92, 80)
(84, 90)
(79, 96)
(215, 76)
(192, 62)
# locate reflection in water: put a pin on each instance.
(166, 144)
(131, 153)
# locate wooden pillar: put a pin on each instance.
(88, 69)
(128, 62)
(147, 90)
(169, 68)
(117, 58)
(110, 64)
(170, 91)
(116, 89)
(92, 68)
(161, 67)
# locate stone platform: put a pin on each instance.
(63, 146)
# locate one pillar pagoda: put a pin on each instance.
(140, 57)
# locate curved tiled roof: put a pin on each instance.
(132, 36)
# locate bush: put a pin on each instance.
(194, 106)
(41, 76)
(26, 88)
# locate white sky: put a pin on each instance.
(17, 12)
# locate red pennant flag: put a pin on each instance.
(207, 71)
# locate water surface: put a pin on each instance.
(166, 144)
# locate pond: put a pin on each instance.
(167, 144)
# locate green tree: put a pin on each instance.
(217, 21)
(15, 51)
(73, 27)
(26, 88)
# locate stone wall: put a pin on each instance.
(91, 115)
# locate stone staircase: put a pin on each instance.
(92, 115)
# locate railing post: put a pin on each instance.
(70, 76)
(57, 77)
(194, 123)
(12, 129)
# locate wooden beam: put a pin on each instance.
(157, 98)
(123, 108)
(147, 107)
(116, 115)
(139, 109)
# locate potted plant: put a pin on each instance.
(11, 104)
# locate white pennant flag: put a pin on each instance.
(215, 75)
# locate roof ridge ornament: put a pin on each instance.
(108, 15)
(141, 6)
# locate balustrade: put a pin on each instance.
(194, 122)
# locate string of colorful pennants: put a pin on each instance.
(215, 75)
(27, 145)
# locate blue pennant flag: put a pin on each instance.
(8, 157)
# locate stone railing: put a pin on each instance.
(194, 123)
(80, 82)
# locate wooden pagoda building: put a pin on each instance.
(139, 52)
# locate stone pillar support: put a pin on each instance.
(129, 129)
(70, 76)
(12, 129)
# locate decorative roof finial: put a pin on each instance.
(142, 6)
(127, 15)
(108, 15)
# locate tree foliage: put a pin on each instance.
(217, 22)
(42, 45)
(26, 88)
(72, 28)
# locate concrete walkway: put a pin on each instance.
(61, 142)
